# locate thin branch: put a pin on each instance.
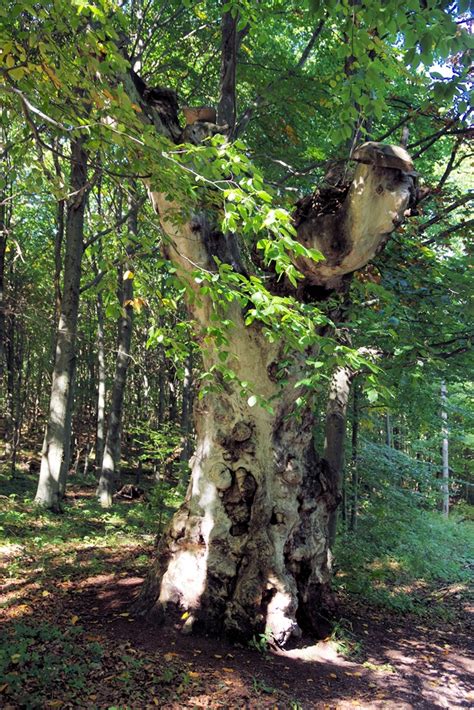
(437, 218)
(450, 165)
(30, 108)
(447, 232)
(115, 226)
(246, 117)
(394, 128)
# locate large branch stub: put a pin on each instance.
(382, 190)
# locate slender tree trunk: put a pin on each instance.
(388, 431)
(226, 109)
(111, 459)
(445, 449)
(162, 385)
(68, 434)
(354, 460)
(335, 433)
(100, 427)
(3, 251)
(17, 338)
(53, 460)
(10, 344)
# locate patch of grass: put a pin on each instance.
(39, 546)
(347, 644)
(40, 662)
(398, 562)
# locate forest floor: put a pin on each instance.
(70, 640)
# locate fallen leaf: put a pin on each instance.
(74, 620)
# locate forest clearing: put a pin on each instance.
(236, 326)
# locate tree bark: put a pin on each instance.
(113, 441)
(53, 460)
(335, 434)
(226, 109)
(186, 408)
(445, 450)
(248, 550)
(354, 460)
(100, 424)
(3, 251)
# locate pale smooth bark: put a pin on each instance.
(54, 460)
(445, 449)
(100, 424)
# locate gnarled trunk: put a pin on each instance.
(247, 552)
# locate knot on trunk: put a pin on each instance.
(238, 500)
(240, 441)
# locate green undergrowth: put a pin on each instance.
(40, 662)
(43, 665)
(413, 561)
(84, 537)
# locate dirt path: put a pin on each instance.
(401, 665)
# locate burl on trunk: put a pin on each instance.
(248, 551)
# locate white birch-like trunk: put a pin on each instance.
(445, 450)
(100, 425)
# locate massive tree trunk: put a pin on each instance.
(54, 460)
(248, 550)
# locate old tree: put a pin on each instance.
(317, 95)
